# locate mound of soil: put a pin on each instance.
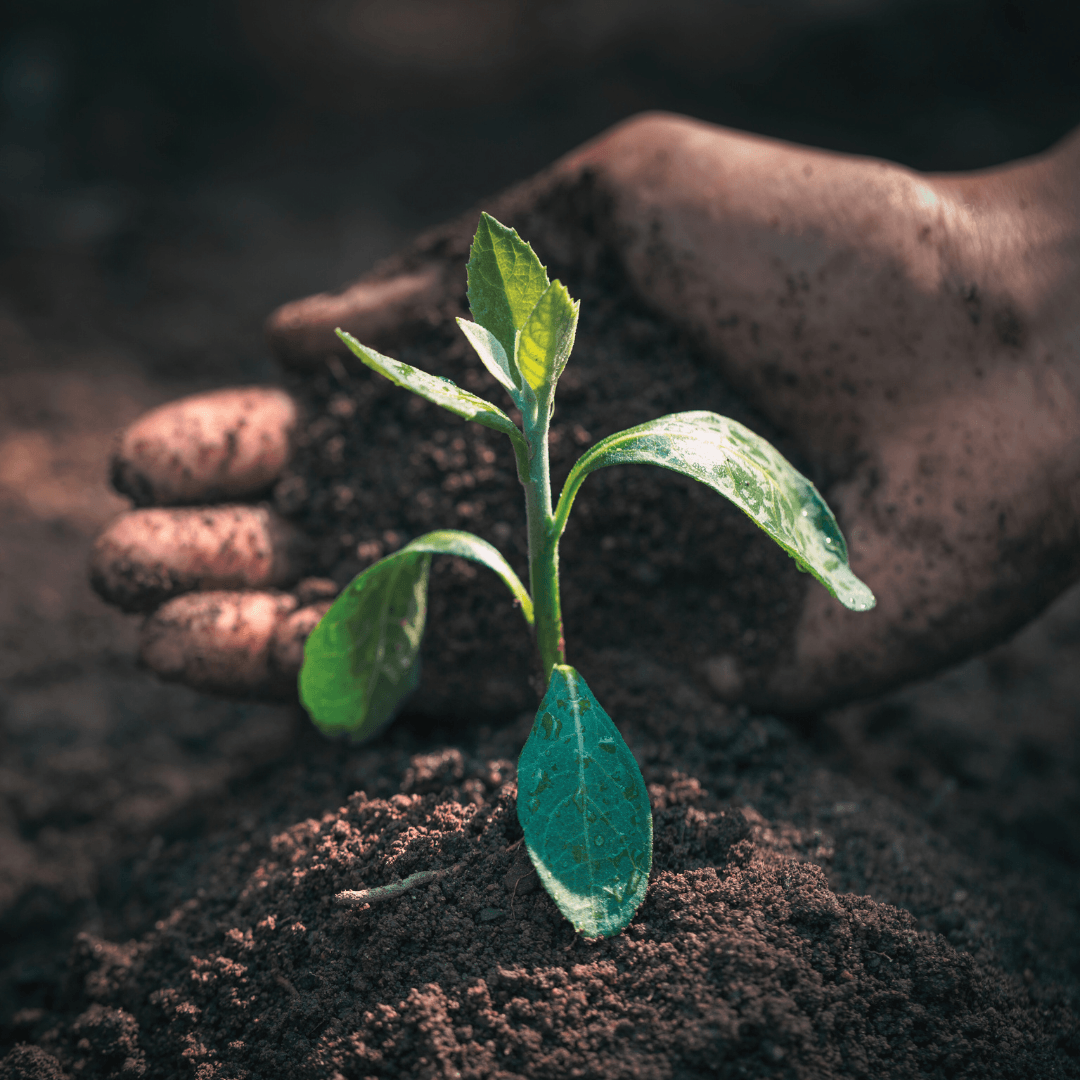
(747, 959)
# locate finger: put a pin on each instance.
(247, 643)
(301, 333)
(148, 556)
(227, 444)
(287, 644)
(217, 641)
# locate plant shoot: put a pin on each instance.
(582, 801)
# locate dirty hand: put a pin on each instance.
(916, 337)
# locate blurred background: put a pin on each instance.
(169, 173)
(123, 123)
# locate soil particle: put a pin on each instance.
(27, 1062)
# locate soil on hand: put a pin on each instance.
(651, 560)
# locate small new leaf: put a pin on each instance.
(749, 471)
(492, 354)
(442, 392)
(584, 809)
(547, 337)
(505, 280)
(362, 659)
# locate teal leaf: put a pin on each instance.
(547, 337)
(749, 471)
(441, 392)
(584, 809)
(492, 354)
(362, 660)
(505, 281)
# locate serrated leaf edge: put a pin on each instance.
(493, 226)
(565, 345)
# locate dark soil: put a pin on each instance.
(809, 915)
(749, 957)
(651, 561)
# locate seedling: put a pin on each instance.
(582, 801)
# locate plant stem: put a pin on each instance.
(543, 543)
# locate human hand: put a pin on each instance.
(208, 569)
(913, 338)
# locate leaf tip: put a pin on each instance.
(853, 592)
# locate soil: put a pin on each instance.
(742, 962)
(652, 562)
(885, 890)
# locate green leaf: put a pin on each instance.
(492, 354)
(505, 281)
(442, 392)
(749, 471)
(469, 546)
(547, 337)
(584, 809)
(362, 659)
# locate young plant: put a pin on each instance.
(582, 801)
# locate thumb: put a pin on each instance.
(377, 312)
